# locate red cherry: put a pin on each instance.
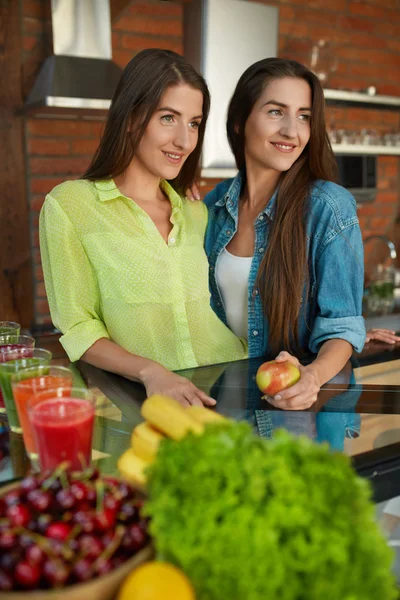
(82, 569)
(27, 575)
(105, 520)
(12, 497)
(79, 490)
(128, 513)
(85, 506)
(85, 520)
(134, 538)
(124, 491)
(18, 515)
(43, 522)
(57, 547)
(8, 560)
(40, 500)
(91, 495)
(66, 499)
(6, 583)
(138, 535)
(8, 540)
(28, 484)
(34, 554)
(90, 546)
(73, 545)
(55, 572)
(58, 531)
(111, 502)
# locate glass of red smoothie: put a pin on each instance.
(62, 423)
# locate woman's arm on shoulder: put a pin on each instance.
(193, 193)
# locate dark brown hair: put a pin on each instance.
(137, 96)
(284, 270)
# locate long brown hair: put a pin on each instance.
(283, 271)
(137, 97)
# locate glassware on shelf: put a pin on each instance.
(379, 294)
(323, 61)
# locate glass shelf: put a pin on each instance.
(360, 98)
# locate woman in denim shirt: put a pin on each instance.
(283, 240)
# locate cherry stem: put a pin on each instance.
(112, 546)
(44, 543)
(99, 485)
(75, 531)
(58, 472)
(84, 475)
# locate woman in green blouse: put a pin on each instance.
(125, 270)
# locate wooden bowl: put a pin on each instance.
(104, 587)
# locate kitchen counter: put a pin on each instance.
(358, 412)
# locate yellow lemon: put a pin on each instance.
(156, 581)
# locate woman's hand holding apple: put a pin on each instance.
(301, 395)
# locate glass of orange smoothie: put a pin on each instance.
(27, 382)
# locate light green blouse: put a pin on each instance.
(109, 274)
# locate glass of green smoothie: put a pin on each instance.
(8, 342)
(13, 361)
(9, 328)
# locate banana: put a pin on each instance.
(145, 441)
(132, 468)
(167, 415)
(204, 415)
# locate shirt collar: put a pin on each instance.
(231, 198)
(108, 190)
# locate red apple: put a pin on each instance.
(273, 377)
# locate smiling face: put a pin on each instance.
(172, 132)
(278, 127)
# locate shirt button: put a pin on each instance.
(228, 232)
(261, 217)
(261, 249)
(255, 293)
(171, 240)
(255, 332)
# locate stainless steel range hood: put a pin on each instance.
(222, 38)
(80, 73)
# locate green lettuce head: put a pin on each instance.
(248, 519)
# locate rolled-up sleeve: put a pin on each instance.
(70, 283)
(339, 289)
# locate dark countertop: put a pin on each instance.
(358, 412)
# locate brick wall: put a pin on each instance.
(364, 36)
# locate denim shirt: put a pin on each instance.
(336, 264)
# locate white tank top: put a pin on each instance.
(232, 275)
